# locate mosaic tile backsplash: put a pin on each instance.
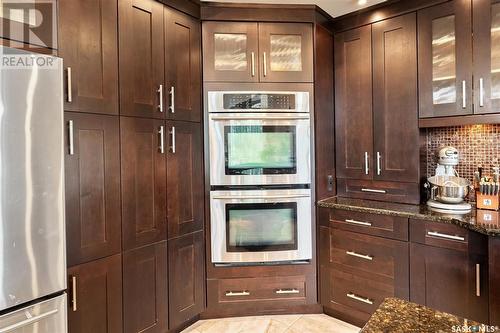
(477, 145)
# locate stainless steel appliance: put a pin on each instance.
(257, 226)
(32, 235)
(259, 138)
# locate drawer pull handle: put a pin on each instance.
(360, 299)
(368, 224)
(370, 190)
(237, 293)
(287, 291)
(362, 256)
(445, 236)
(478, 280)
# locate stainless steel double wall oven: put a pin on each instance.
(260, 175)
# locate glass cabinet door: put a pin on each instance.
(486, 18)
(445, 59)
(285, 52)
(230, 52)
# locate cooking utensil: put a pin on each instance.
(449, 189)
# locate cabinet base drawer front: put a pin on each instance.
(361, 294)
(441, 235)
(378, 190)
(369, 255)
(372, 224)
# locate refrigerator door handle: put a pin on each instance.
(28, 321)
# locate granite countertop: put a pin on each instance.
(469, 221)
(397, 315)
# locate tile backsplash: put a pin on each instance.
(477, 145)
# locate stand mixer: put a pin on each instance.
(448, 190)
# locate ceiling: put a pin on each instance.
(333, 7)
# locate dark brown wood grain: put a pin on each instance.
(459, 121)
(145, 289)
(494, 284)
(141, 58)
(182, 66)
(99, 297)
(186, 272)
(143, 171)
(395, 105)
(353, 102)
(190, 7)
(394, 191)
(184, 179)
(460, 10)
(92, 173)
(324, 115)
(88, 44)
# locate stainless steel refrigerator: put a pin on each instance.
(32, 234)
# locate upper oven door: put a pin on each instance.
(255, 101)
(259, 149)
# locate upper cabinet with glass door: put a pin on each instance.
(445, 59)
(257, 52)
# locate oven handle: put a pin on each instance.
(261, 117)
(291, 196)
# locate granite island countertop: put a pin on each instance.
(421, 212)
(397, 315)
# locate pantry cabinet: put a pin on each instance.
(257, 52)
(88, 43)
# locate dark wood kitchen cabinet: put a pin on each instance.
(257, 52)
(182, 66)
(449, 269)
(145, 289)
(141, 58)
(143, 172)
(95, 292)
(92, 179)
(445, 59)
(494, 271)
(186, 271)
(88, 43)
(185, 205)
(372, 120)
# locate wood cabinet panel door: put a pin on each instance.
(142, 68)
(182, 66)
(143, 171)
(186, 271)
(286, 52)
(145, 289)
(486, 20)
(230, 52)
(353, 103)
(185, 190)
(98, 288)
(89, 46)
(92, 173)
(395, 102)
(494, 271)
(445, 59)
(446, 280)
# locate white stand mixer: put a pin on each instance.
(448, 190)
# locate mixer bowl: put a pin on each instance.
(449, 189)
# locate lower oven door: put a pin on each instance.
(261, 226)
(259, 149)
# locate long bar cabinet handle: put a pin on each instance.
(358, 255)
(172, 99)
(370, 190)
(265, 64)
(253, 64)
(162, 139)
(359, 298)
(445, 236)
(70, 83)
(237, 293)
(74, 306)
(368, 224)
(71, 138)
(160, 92)
(287, 291)
(367, 165)
(481, 92)
(464, 94)
(172, 146)
(379, 163)
(478, 280)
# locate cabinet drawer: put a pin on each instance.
(439, 234)
(379, 190)
(349, 290)
(377, 258)
(270, 288)
(372, 224)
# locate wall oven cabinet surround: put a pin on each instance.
(377, 136)
(255, 226)
(259, 138)
(257, 52)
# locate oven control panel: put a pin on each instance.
(259, 101)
